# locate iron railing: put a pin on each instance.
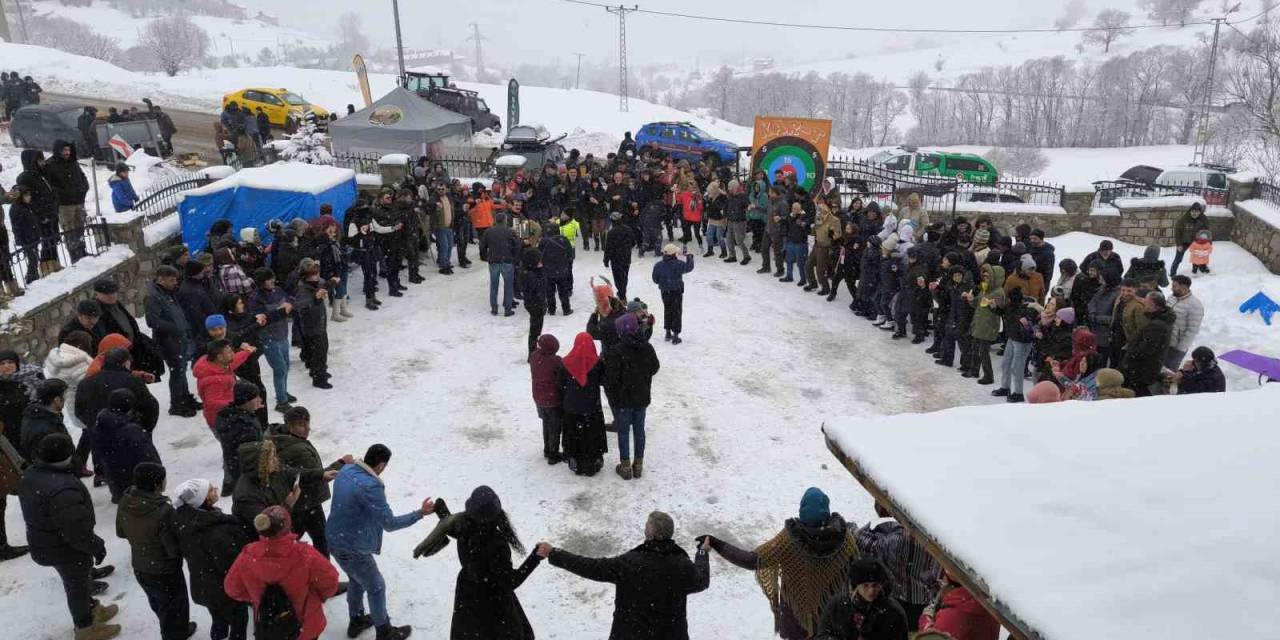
(30, 262)
(459, 163)
(162, 200)
(1108, 191)
(358, 162)
(1263, 190)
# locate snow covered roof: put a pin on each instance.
(281, 176)
(1120, 519)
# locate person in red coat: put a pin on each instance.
(215, 374)
(957, 613)
(278, 558)
(546, 369)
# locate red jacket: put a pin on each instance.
(963, 617)
(690, 206)
(216, 385)
(306, 576)
(545, 370)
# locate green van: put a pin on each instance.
(970, 167)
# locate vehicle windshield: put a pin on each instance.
(480, 104)
(700, 133)
(293, 99)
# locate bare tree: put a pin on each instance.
(1073, 11)
(175, 41)
(1170, 11)
(1112, 24)
(73, 37)
(351, 37)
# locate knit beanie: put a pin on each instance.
(273, 521)
(627, 325)
(244, 392)
(1067, 315)
(9, 355)
(215, 321)
(193, 269)
(1043, 393)
(815, 507)
(148, 476)
(864, 570)
(484, 505)
(981, 236)
(47, 390)
(671, 249)
(637, 305)
(191, 493)
(121, 400)
(55, 448)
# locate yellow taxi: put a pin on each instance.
(276, 103)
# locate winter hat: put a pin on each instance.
(1203, 357)
(273, 521)
(215, 321)
(191, 493)
(1152, 253)
(532, 259)
(49, 389)
(89, 308)
(120, 400)
(889, 244)
(9, 355)
(148, 476)
(262, 275)
(627, 325)
(244, 392)
(864, 570)
(1019, 249)
(637, 305)
(106, 286)
(1026, 262)
(1067, 315)
(1204, 235)
(194, 268)
(671, 249)
(548, 344)
(1044, 393)
(55, 448)
(615, 216)
(981, 236)
(1109, 378)
(815, 507)
(484, 505)
(308, 266)
(733, 185)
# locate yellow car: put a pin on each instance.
(276, 103)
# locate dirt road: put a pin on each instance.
(195, 129)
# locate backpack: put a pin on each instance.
(275, 618)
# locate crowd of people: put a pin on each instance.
(17, 91)
(1098, 330)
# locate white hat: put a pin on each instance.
(671, 249)
(191, 492)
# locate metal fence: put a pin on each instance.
(1267, 191)
(358, 162)
(460, 163)
(940, 195)
(162, 200)
(1106, 192)
(28, 263)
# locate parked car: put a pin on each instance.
(684, 141)
(534, 144)
(278, 104)
(970, 167)
(38, 126)
(1209, 181)
(977, 193)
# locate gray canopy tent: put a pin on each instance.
(400, 122)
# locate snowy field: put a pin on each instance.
(733, 435)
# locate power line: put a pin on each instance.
(829, 27)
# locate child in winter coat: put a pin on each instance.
(1201, 250)
(546, 370)
(123, 197)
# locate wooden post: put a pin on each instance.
(1018, 630)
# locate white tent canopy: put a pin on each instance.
(1148, 518)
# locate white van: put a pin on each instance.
(1206, 180)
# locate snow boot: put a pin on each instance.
(878, 321)
(746, 259)
(369, 304)
(786, 279)
(918, 340)
(824, 291)
(675, 338)
(778, 273)
(899, 334)
(637, 468)
(9, 553)
(1015, 397)
(729, 258)
(388, 632)
(831, 296)
(104, 613)
(710, 252)
(762, 270)
(359, 625)
(986, 381)
(889, 326)
(344, 310)
(98, 573)
(337, 316)
(1000, 393)
(11, 286)
(624, 469)
(98, 632)
(667, 337)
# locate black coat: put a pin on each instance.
(210, 540)
(618, 244)
(311, 312)
(1113, 264)
(582, 400)
(485, 606)
(44, 202)
(25, 224)
(251, 497)
(1208, 380)
(845, 619)
(14, 398)
(167, 320)
(1145, 357)
(38, 421)
(117, 319)
(65, 176)
(300, 455)
(499, 245)
(119, 444)
(59, 515)
(234, 427)
(557, 256)
(653, 582)
(628, 373)
(197, 303)
(533, 288)
(1045, 260)
(92, 395)
(603, 329)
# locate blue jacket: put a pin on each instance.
(123, 197)
(360, 513)
(668, 273)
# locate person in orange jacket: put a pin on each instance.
(1201, 250)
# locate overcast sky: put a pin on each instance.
(522, 30)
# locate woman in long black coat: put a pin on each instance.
(485, 606)
(210, 541)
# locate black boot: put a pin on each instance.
(359, 625)
(388, 632)
(9, 552)
(370, 304)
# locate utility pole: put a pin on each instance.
(22, 22)
(577, 81)
(4, 25)
(395, 10)
(475, 35)
(1202, 135)
(622, 12)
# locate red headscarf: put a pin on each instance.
(581, 358)
(1083, 343)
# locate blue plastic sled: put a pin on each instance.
(1261, 303)
(1262, 365)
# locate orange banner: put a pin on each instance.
(794, 147)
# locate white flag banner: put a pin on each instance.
(121, 146)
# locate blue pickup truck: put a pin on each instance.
(683, 141)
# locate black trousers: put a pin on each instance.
(552, 426)
(535, 329)
(75, 584)
(391, 265)
(315, 355)
(311, 523)
(369, 260)
(620, 273)
(563, 287)
(913, 612)
(686, 227)
(672, 310)
(229, 620)
(167, 595)
(981, 359)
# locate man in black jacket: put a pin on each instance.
(1144, 359)
(628, 377)
(653, 581)
(618, 243)
(44, 417)
(296, 452)
(88, 312)
(500, 247)
(69, 186)
(59, 516)
(44, 203)
(557, 263)
(93, 394)
(313, 323)
(85, 125)
(533, 285)
(120, 444)
(145, 519)
(236, 425)
(196, 299)
(865, 611)
(171, 330)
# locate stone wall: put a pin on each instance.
(1257, 237)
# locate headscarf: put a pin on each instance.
(581, 358)
(1083, 343)
(111, 341)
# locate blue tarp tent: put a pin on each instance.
(251, 197)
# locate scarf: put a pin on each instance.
(582, 358)
(787, 570)
(1083, 343)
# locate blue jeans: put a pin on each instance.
(364, 576)
(444, 247)
(628, 421)
(276, 352)
(1013, 368)
(508, 272)
(715, 236)
(796, 252)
